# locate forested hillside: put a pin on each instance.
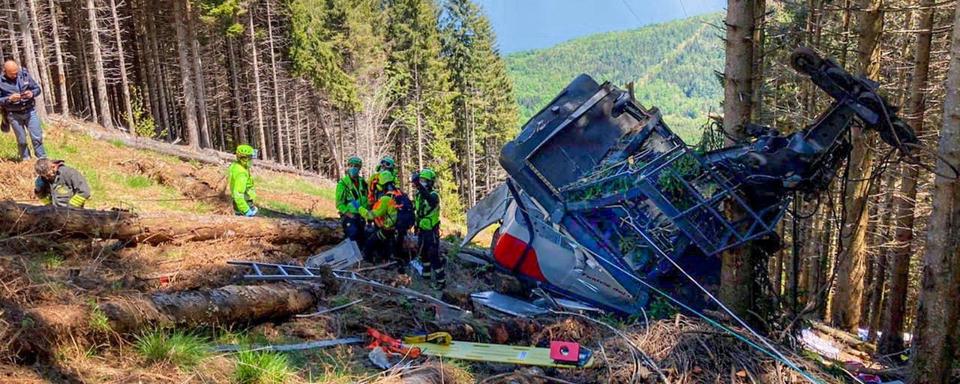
(308, 82)
(672, 64)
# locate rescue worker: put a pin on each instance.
(350, 198)
(242, 192)
(383, 213)
(60, 185)
(386, 164)
(427, 209)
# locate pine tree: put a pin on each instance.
(891, 340)
(737, 269)
(422, 91)
(314, 52)
(481, 91)
(846, 307)
(500, 117)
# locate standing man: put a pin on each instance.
(350, 198)
(427, 208)
(60, 185)
(18, 93)
(241, 183)
(380, 245)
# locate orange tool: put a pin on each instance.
(390, 345)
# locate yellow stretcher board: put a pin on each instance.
(494, 353)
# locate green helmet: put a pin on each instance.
(244, 150)
(387, 162)
(354, 161)
(428, 174)
(384, 178)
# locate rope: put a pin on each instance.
(769, 350)
(772, 351)
(904, 148)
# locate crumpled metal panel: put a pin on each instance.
(488, 211)
(507, 304)
(343, 256)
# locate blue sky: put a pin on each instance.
(530, 24)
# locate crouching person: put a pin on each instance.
(427, 208)
(60, 185)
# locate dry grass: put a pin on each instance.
(126, 178)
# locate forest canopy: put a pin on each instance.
(673, 65)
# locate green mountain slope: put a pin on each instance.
(673, 65)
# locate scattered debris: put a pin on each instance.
(567, 305)
(417, 266)
(379, 358)
(351, 276)
(342, 256)
(289, 347)
(373, 267)
(328, 310)
(817, 344)
(507, 304)
(472, 259)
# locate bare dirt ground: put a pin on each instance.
(42, 272)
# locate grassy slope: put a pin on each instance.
(672, 64)
(106, 167)
(116, 184)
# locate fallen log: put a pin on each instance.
(845, 337)
(42, 329)
(215, 307)
(233, 304)
(159, 227)
(188, 183)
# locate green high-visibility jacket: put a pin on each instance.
(349, 191)
(241, 187)
(426, 206)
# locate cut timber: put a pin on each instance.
(43, 328)
(189, 183)
(221, 306)
(846, 338)
(157, 227)
(234, 304)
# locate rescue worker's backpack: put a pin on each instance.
(405, 216)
